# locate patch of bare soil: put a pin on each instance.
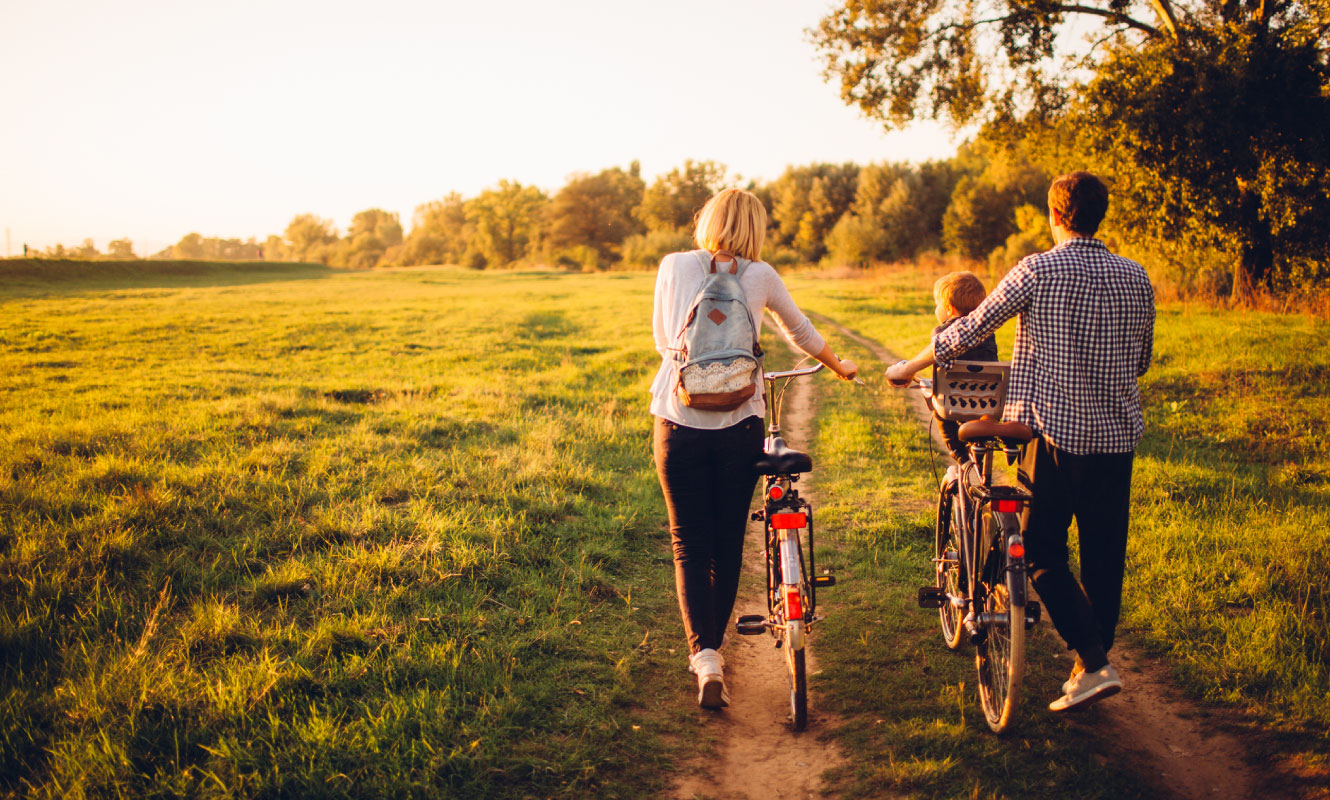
(757, 754)
(1153, 730)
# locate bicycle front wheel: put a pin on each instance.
(1000, 658)
(947, 566)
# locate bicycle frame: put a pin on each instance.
(976, 481)
(784, 541)
(791, 593)
(980, 584)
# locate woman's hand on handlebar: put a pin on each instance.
(847, 369)
(900, 374)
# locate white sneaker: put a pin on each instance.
(708, 665)
(1087, 688)
(724, 640)
(1077, 669)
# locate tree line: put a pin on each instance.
(977, 204)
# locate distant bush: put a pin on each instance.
(647, 249)
(854, 241)
(579, 257)
(1032, 236)
(778, 256)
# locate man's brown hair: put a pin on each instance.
(963, 290)
(1081, 201)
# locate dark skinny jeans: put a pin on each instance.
(708, 479)
(1096, 490)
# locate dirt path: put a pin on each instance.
(1157, 733)
(754, 743)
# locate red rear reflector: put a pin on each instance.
(794, 609)
(1007, 505)
(787, 521)
(1017, 550)
(775, 492)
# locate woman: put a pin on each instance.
(705, 458)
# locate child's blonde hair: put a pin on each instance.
(733, 220)
(963, 291)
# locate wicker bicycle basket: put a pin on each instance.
(970, 390)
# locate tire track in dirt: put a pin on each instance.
(757, 754)
(1156, 733)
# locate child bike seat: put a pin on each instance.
(781, 460)
(1009, 432)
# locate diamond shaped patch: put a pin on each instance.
(717, 316)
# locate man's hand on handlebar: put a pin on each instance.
(900, 374)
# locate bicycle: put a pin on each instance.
(791, 592)
(980, 581)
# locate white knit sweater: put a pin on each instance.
(677, 283)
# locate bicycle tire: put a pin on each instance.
(1000, 658)
(794, 660)
(946, 567)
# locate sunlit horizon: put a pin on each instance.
(150, 120)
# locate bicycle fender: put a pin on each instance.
(1011, 530)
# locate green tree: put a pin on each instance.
(308, 238)
(807, 202)
(996, 179)
(120, 248)
(190, 246)
(597, 211)
(372, 233)
(1221, 146)
(1032, 236)
(440, 233)
(505, 219)
(855, 241)
(673, 200)
(272, 249)
(1210, 112)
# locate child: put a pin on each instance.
(957, 294)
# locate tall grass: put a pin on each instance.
(334, 535)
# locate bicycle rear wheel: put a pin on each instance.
(1000, 658)
(947, 566)
(794, 660)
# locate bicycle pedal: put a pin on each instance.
(931, 597)
(824, 580)
(1033, 612)
(751, 625)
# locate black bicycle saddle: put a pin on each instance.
(781, 460)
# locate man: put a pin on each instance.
(1085, 333)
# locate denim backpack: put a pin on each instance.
(720, 361)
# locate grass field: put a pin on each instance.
(289, 531)
(307, 533)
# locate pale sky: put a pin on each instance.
(150, 119)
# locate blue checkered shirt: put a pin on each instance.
(1084, 334)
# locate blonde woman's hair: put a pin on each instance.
(733, 220)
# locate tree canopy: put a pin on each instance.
(1204, 113)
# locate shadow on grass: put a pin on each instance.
(26, 277)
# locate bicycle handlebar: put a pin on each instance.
(791, 373)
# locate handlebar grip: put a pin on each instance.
(793, 373)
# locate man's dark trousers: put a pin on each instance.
(1096, 490)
